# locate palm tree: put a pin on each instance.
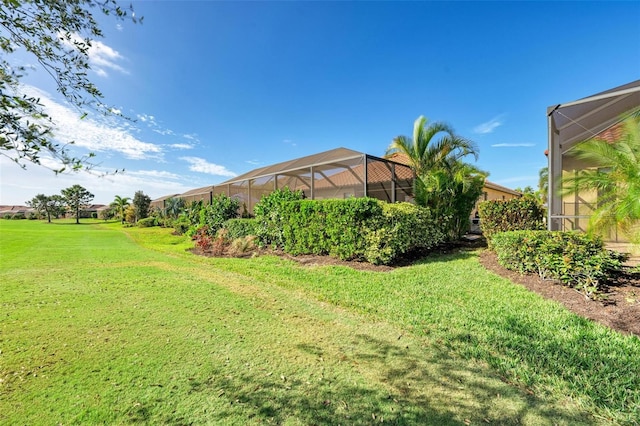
(174, 206)
(543, 184)
(431, 146)
(444, 183)
(615, 176)
(121, 203)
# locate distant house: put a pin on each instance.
(6, 211)
(571, 123)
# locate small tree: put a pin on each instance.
(50, 205)
(141, 204)
(130, 214)
(106, 214)
(77, 198)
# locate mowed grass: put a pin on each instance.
(100, 324)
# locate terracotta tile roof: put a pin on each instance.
(612, 134)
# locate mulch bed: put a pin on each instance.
(619, 307)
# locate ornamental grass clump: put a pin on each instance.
(574, 259)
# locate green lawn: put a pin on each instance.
(100, 324)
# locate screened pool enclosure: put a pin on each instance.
(338, 173)
(569, 124)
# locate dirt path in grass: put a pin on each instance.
(619, 308)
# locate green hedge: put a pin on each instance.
(240, 228)
(402, 227)
(575, 259)
(513, 215)
(334, 227)
(357, 228)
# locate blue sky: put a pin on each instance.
(219, 88)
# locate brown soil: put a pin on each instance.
(618, 307)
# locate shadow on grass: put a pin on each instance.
(72, 223)
(402, 386)
(595, 364)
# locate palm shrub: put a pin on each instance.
(615, 176)
(173, 207)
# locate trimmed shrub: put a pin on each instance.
(357, 229)
(334, 227)
(575, 259)
(147, 222)
(18, 216)
(402, 227)
(239, 228)
(513, 215)
(269, 218)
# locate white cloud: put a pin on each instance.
(181, 146)
(155, 174)
(490, 125)
(91, 134)
(253, 162)
(151, 122)
(101, 56)
(201, 165)
(512, 145)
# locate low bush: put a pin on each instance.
(181, 225)
(575, 259)
(18, 216)
(402, 227)
(203, 239)
(513, 215)
(147, 222)
(239, 228)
